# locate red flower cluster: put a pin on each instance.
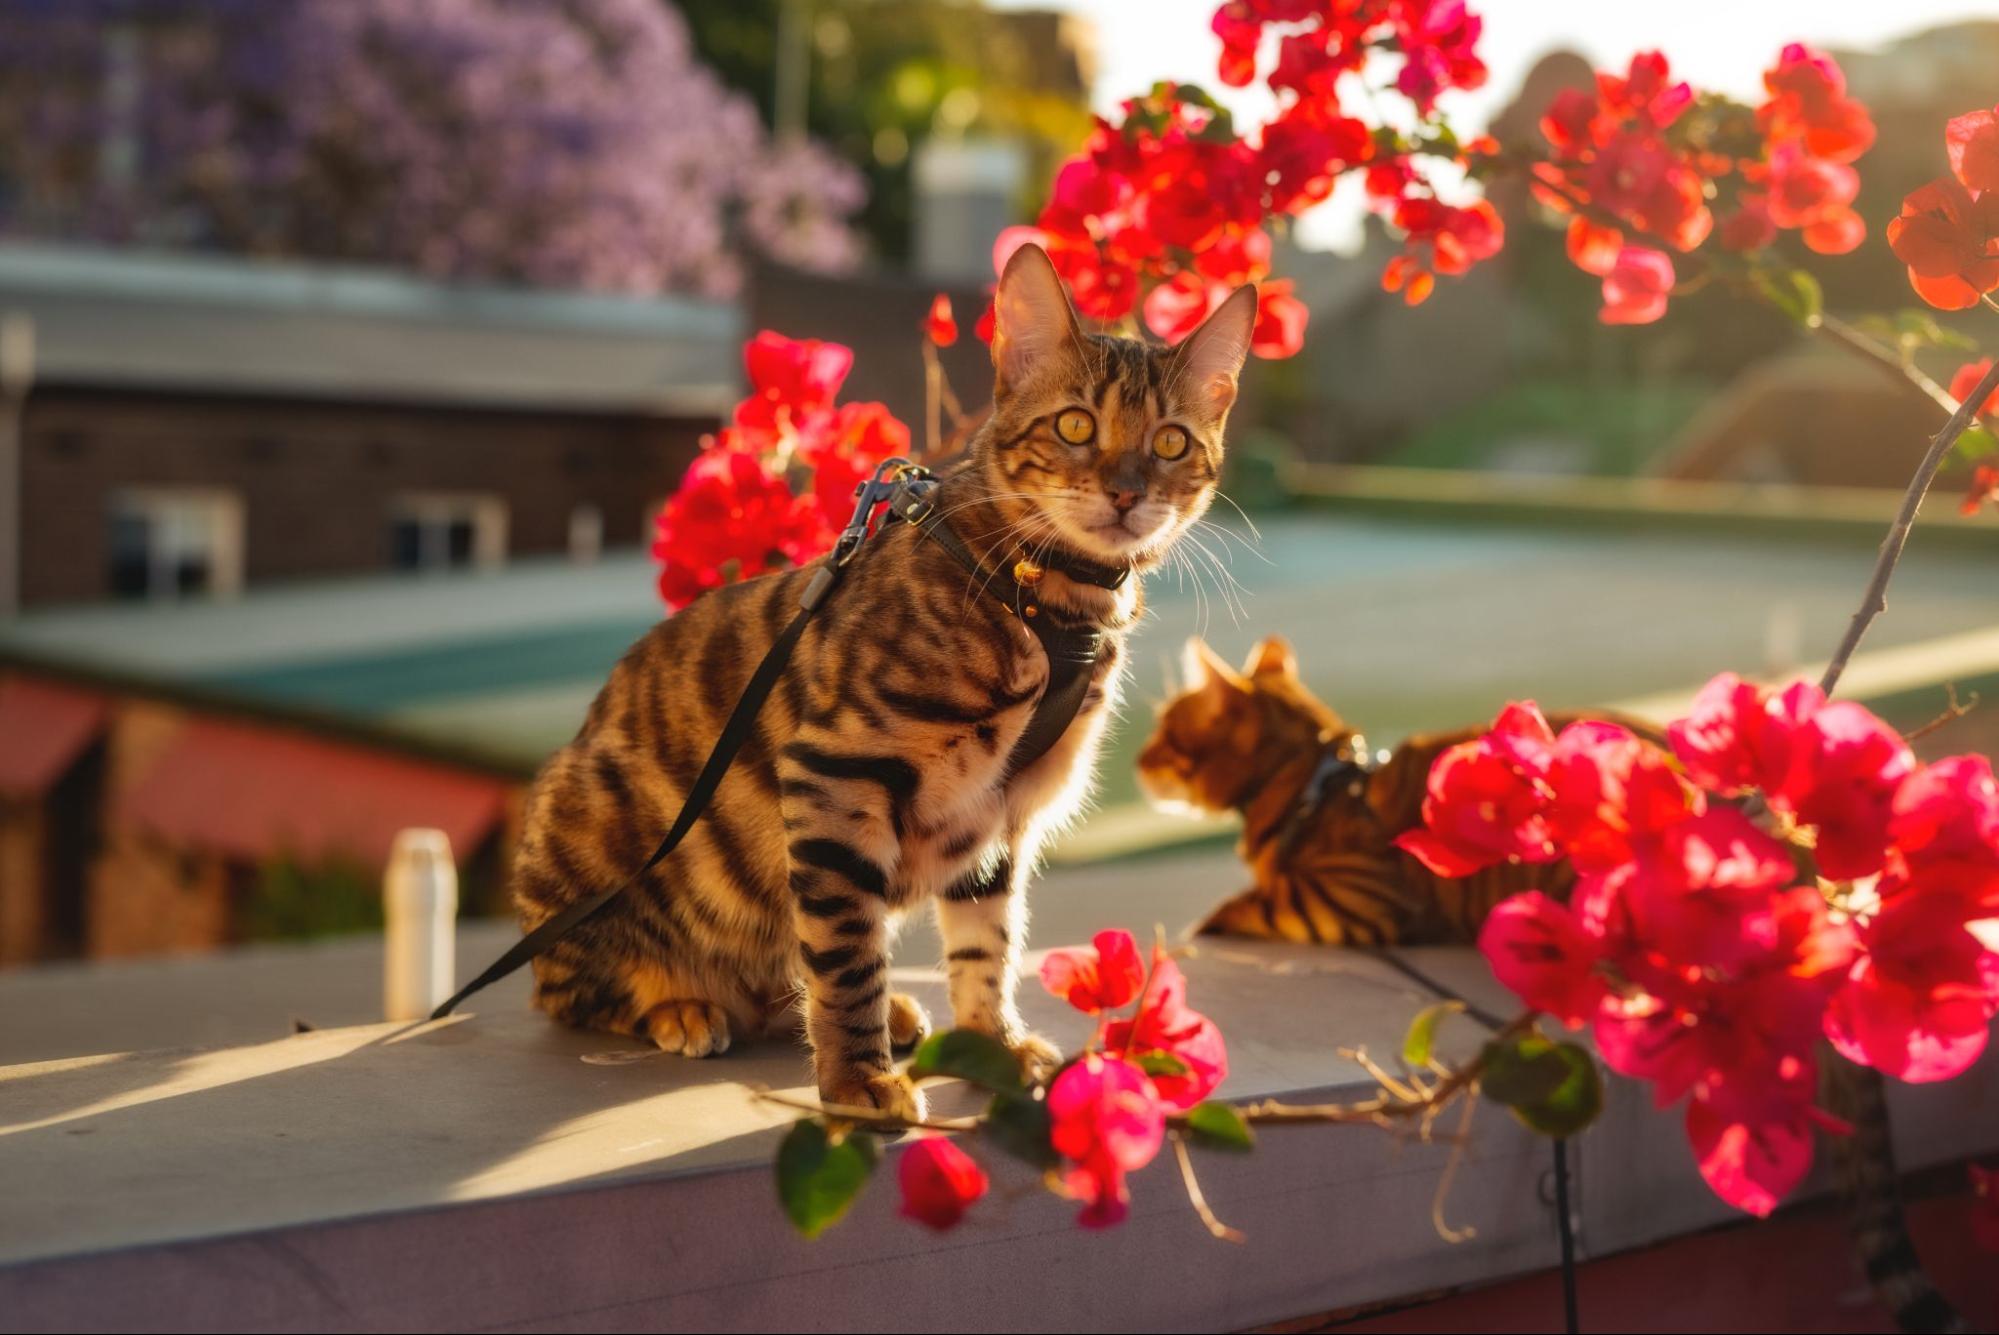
(1620, 152)
(1948, 233)
(775, 486)
(1312, 141)
(1706, 961)
(1166, 211)
(1108, 1110)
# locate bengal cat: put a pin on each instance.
(1325, 866)
(876, 776)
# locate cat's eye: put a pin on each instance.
(1075, 426)
(1169, 442)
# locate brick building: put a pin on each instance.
(195, 424)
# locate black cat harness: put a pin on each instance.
(908, 493)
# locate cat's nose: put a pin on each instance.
(1123, 497)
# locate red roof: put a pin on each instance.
(259, 793)
(43, 728)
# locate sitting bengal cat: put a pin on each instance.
(884, 770)
(1318, 823)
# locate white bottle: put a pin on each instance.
(420, 908)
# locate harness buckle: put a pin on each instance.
(888, 476)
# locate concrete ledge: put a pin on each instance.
(496, 1171)
(1739, 510)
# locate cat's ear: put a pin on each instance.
(1208, 360)
(1272, 658)
(1205, 669)
(1032, 319)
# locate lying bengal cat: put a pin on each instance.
(1318, 829)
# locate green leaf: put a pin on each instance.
(817, 1178)
(1795, 293)
(1420, 1042)
(1220, 1126)
(1522, 1071)
(1913, 329)
(1160, 1063)
(1975, 444)
(968, 1055)
(1553, 1088)
(1019, 1124)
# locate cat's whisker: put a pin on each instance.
(1254, 532)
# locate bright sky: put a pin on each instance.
(1720, 44)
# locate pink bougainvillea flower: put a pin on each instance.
(790, 378)
(1965, 379)
(1750, 226)
(1845, 767)
(1636, 288)
(1741, 1039)
(1098, 977)
(730, 519)
(1176, 307)
(1540, 953)
(1808, 103)
(1949, 239)
(1738, 737)
(1593, 247)
(1972, 141)
(843, 450)
(1701, 893)
(1280, 321)
(1166, 1025)
(1107, 1121)
(1487, 799)
(1920, 999)
(1750, 1164)
(939, 1182)
(940, 326)
(1944, 829)
(1611, 790)
(1984, 487)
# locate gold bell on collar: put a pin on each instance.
(1026, 573)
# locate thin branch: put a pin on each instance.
(1461, 1142)
(1953, 711)
(1194, 1196)
(871, 1117)
(1890, 363)
(1875, 600)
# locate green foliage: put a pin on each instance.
(287, 900)
(1975, 444)
(1220, 1126)
(1912, 330)
(1794, 292)
(1019, 1124)
(1160, 1063)
(884, 75)
(818, 1176)
(1420, 1044)
(1553, 1088)
(969, 1056)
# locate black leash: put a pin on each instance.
(908, 491)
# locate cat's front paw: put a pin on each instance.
(890, 1093)
(1038, 1058)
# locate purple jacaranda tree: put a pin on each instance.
(555, 142)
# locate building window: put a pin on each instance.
(586, 534)
(170, 542)
(446, 531)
